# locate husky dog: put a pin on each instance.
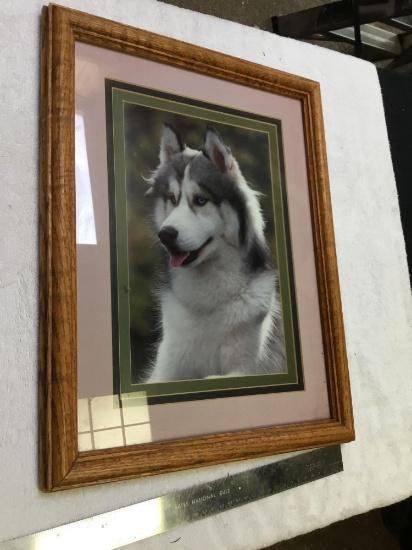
(220, 307)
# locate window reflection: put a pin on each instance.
(85, 224)
(103, 423)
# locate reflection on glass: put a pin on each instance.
(85, 224)
(104, 423)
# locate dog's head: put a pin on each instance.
(201, 199)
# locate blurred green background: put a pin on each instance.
(143, 128)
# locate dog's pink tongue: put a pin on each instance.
(176, 259)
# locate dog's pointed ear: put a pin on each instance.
(216, 151)
(171, 143)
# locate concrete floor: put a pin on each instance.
(257, 13)
(254, 13)
(367, 531)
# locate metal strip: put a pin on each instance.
(385, 43)
(140, 521)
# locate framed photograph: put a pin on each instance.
(190, 305)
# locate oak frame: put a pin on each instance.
(61, 464)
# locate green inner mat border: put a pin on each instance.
(213, 114)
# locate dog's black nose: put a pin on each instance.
(167, 236)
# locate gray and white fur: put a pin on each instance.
(220, 307)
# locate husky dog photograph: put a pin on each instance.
(219, 306)
(202, 274)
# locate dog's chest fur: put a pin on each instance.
(215, 323)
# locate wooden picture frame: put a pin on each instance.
(62, 466)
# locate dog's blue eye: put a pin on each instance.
(172, 199)
(200, 201)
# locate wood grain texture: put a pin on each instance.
(61, 465)
(58, 254)
(326, 263)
